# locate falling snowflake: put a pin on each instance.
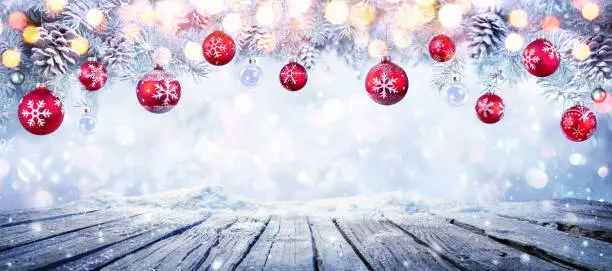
(485, 107)
(215, 47)
(97, 75)
(166, 90)
(37, 113)
(290, 73)
(552, 51)
(385, 85)
(530, 59)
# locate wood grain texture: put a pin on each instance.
(286, 244)
(333, 252)
(466, 249)
(94, 247)
(386, 247)
(544, 242)
(13, 218)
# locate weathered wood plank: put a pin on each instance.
(333, 252)
(544, 242)
(286, 244)
(466, 249)
(93, 247)
(9, 219)
(385, 247)
(21, 234)
(586, 207)
(180, 252)
(546, 213)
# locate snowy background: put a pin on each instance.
(328, 140)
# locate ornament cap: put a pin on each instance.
(91, 58)
(385, 58)
(158, 67)
(252, 61)
(40, 85)
(86, 110)
(540, 36)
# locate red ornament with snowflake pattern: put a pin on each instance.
(293, 76)
(578, 123)
(158, 91)
(541, 57)
(490, 108)
(218, 48)
(442, 48)
(386, 82)
(40, 111)
(93, 75)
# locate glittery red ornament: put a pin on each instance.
(386, 82)
(40, 111)
(578, 123)
(93, 75)
(490, 108)
(541, 58)
(293, 76)
(158, 91)
(218, 48)
(441, 48)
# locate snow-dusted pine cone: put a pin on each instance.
(486, 34)
(117, 51)
(53, 52)
(598, 67)
(308, 56)
(248, 38)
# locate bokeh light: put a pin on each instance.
(131, 31)
(514, 42)
(602, 171)
(18, 20)
(483, 3)
(11, 58)
(465, 5)
(550, 24)
(362, 14)
(55, 6)
(590, 11)
(377, 49)
(168, 13)
(31, 34)
(80, 45)
(536, 178)
(265, 15)
(581, 51)
(337, 11)
(518, 18)
(297, 7)
(211, 7)
(232, 22)
(193, 51)
(162, 56)
(94, 17)
(402, 38)
(450, 15)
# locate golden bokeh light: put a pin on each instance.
(131, 31)
(402, 38)
(450, 15)
(55, 6)
(337, 11)
(514, 42)
(581, 51)
(80, 45)
(590, 11)
(265, 15)
(362, 14)
(31, 34)
(18, 20)
(518, 18)
(11, 58)
(550, 24)
(232, 22)
(193, 51)
(378, 49)
(94, 17)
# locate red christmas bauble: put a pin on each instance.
(40, 111)
(293, 76)
(158, 91)
(441, 48)
(541, 58)
(490, 108)
(386, 83)
(93, 75)
(218, 48)
(578, 123)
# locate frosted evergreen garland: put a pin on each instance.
(482, 32)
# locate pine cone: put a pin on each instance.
(248, 38)
(598, 67)
(117, 51)
(308, 56)
(53, 51)
(487, 32)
